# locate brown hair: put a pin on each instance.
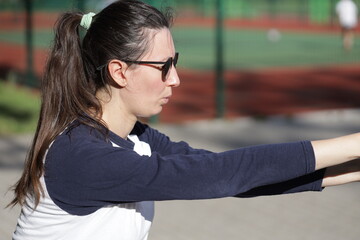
(72, 76)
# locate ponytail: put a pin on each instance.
(66, 95)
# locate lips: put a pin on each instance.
(166, 99)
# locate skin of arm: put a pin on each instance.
(340, 157)
(335, 151)
(341, 174)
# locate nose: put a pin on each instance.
(173, 78)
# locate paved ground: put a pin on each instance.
(333, 214)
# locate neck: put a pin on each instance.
(115, 116)
(122, 126)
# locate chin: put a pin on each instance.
(156, 113)
(153, 113)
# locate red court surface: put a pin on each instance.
(264, 93)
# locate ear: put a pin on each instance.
(117, 70)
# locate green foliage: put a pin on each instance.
(19, 109)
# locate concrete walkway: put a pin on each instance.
(333, 214)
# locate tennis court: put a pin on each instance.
(278, 60)
(252, 49)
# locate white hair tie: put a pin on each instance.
(86, 20)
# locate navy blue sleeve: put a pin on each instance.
(84, 173)
(163, 145)
(308, 182)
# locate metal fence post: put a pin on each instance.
(220, 85)
(30, 75)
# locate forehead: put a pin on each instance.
(161, 43)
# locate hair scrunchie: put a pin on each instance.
(86, 20)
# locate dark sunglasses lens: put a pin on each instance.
(166, 69)
(176, 59)
(167, 66)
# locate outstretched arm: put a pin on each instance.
(335, 151)
(341, 158)
(341, 174)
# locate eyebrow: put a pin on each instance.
(166, 58)
(157, 62)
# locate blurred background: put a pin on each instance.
(255, 65)
(237, 57)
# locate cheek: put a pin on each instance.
(147, 81)
(144, 95)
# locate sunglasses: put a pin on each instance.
(165, 68)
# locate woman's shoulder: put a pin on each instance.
(77, 131)
(79, 141)
(78, 134)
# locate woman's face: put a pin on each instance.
(146, 92)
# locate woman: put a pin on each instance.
(94, 170)
(348, 18)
